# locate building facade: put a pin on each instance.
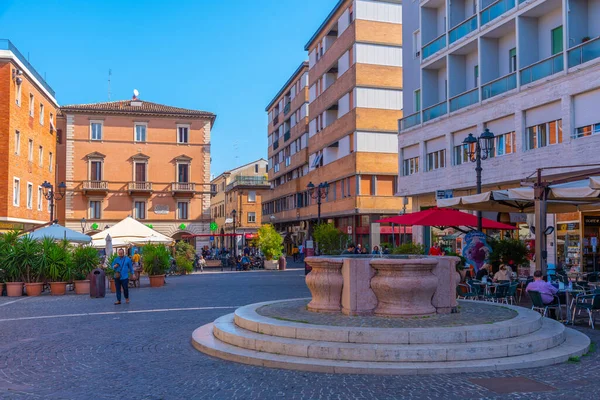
(140, 159)
(354, 101)
(241, 189)
(529, 71)
(28, 112)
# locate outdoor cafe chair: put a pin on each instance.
(464, 291)
(538, 304)
(512, 293)
(500, 294)
(523, 287)
(476, 289)
(582, 303)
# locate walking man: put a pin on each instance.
(123, 268)
(301, 252)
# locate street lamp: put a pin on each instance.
(52, 196)
(233, 214)
(318, 193)
(479, 149)
(83, 223)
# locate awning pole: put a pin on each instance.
(541, 253)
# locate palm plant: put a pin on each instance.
(58, 261)
(155, 259)
(24, 261)
(85, 259)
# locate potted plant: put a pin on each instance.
(270, 243)
(24, 260)
(155, 262)
(85, 259)
(184, 257)
(110, 273)
(12, 270)
(184, 265)
(58, 264)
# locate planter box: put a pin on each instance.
(271, 264)
(34, 289)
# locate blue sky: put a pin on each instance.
(229, 57)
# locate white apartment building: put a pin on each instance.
(529, 71)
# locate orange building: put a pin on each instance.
(354, 101)
(28, 141)
(136, 158)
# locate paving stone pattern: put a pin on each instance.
(148, 355)
(469, 314)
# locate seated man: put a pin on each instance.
(503, 274)
(539, 285)
(245, 263)
(484, 271)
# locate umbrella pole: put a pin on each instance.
(540, 224)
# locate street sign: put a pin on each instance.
(212, 238)
(213, 226)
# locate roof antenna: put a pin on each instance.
(109, 74)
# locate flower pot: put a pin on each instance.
(157, 280)
(1, 288)
(34, 289)
(14, 289)
(58, 288)
(82, 287)
(113, 288)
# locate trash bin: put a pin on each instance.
(282, 263)
(97, 283)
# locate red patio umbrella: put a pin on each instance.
(444, 217)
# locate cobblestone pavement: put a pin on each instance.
(470, 314)
(74, 347)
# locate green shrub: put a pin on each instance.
(329, 239)
(185, 249)
(409, 248)
(512, 252)
(57, 260)
(85, 259)
(24, 261)
(184, 265)
(270, 242)
(8, 272)
(155, 259)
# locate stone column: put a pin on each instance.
(444, 298)
(325, 283)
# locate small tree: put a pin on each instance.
(329, 239)
(270, 242)
(409, 248)
(512, 252)
(184, 249)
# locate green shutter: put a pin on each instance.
(557, 40)
(417, 100)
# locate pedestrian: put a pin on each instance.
(375, 249)
(358, 249)
(301, 252)
(350, 250)
(435, 250)
(295, 253)
(123, 269)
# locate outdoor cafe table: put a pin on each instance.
(568, 292)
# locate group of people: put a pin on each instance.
(298, 252)
(358, 249)
(505, 273)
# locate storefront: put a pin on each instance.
(590, 260)
(568, 244)
(13, 226)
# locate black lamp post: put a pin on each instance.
(233, 214)
(318, 193)
(479, 149)
(83, 223)
(52, 196)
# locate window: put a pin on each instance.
(182, 209)
(16, 191)
(139, 170)
(41, 114)
(183, 175)
(512, 60)
(51, 122)
(31, 105)
(96, 130)
(410, 166)
(183, 134)
(461, 154)
(436, 160)
(40, 198)
(29, 196)
(251, 217)
(140, 210)
(256, 168)
(140, 132)
(252, 196)
(587, 131)
(30, 149)
(95, 209)
(95, 170)
(416, 44)
(476, 75)
(41, 156)
(17, 142)
(504, 144)
(543, 135)
(18, 93)
(51, 161)
(557, 40)
(417, 100)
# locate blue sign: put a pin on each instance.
(212, 238)
(477, 250)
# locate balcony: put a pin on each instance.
(276, 120)
(463, 29)
(287, 108)
(248, 181)
(435, 111)
(7, 45)
(542, 69)
(286, 136)
(410, 120)
(183, 189)
(95, 187)
(434, 46)
(140, 187)
(464, 100)
(276, 144)
(499, 86)
(495, 10)
(584, 52)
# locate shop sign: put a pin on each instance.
(161, 209)
(10, 226)
(444, 194)
(229, 221)
(518, 217)
(591, 221)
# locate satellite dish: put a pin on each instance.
(136, 93)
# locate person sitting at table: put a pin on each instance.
(539, 285)
(484, 271)
(503, 274)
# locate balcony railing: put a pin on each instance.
(287, 108)
(276, 120)
(286, 136)
(464, 99)
(276, 145)
(463, 29)
(584, 52)
(499, 86)
(495, 10)
(7, 45)
(140, 186)
(248, 181)
(95, 185)
(434, 46)
(410, 120)
(435, 111)
(542, 69)
(183, 187)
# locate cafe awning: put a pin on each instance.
(440, 217)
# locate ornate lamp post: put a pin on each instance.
(233, 214)
(52, 196)
(318, 193)
(83, 224)
(479, 149)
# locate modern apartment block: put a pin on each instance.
(354, 101)
(241, 189)
(28, 112)
(529, 71)
(136, 158)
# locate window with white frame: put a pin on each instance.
(542, 135)
(183, 132)
(182, 209)
(587, 130)
(96, 130)
(251, 217)
(16, 191)
(140, 132)
(41, 156)
(29, 195)
(17, 142)
(461, 154)
(252, 196)
(504, 144)
(96, 170)
(95, 209)
(436, 160)
(31, 105)
(30, 150)
(18, 94)
(41, 114)
(410, 166)
(50, 161)
(40, 198)
(139, 209)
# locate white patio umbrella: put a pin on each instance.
(595, 182)
(109, 246)
(152, 239)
